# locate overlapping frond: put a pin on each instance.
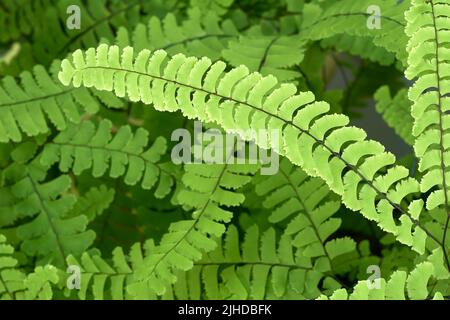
(30, 106)
(98, 19)
(201, 34)
(19, 17)
(393, 108)
(362, 16)
(307, 206)
(101, 279)
(275, 54)
(359, 46)
(322, 144)
(209, 190)
(263, 266)
(87, 146)
(16, 285)
(220, 7)
(428, 62)
(424, 282)
(47, 233)
(94, 202)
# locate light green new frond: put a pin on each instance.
(394, 108)
(199, 35)
(47, 233)
(29, 106)
(16, 285)
(267, 54)
(428, 64)
(322, 144)
(87, 146)
(209, 189)
(419, 284)
(382, 21)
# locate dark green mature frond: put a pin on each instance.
(220, 7)
(359, 46)
(428, 66)
(16, 285)
(275, 54)
(87, 146)
(394, 108)
(93, 202)
(100, 19)
(29, 106)
(339, 15)
(19, 17)
(48, 233)
(322, 144)
(201, 34)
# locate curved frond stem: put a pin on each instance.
(287, 122)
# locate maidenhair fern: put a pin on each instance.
(134, 150)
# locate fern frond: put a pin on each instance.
(322, 144)
(48, 233)
(309, 201)
(93, 202)
(38, 100)
(274, 54)
(428, 65)
(337, 17)
(11, 278)
(101, 279)
(89, 146)
(16, 285)
(52, 39)
(263, 266)
(208, 188)
(394, 108)
(421, 283)
(19, 17)
(199, 35)
(359, 46)
(99, 19)
(220, 7)
(40, 283)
